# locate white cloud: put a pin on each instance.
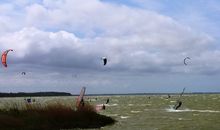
(58, 37)
(64, 49)
(147, 38)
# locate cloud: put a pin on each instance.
(62, 49)
(56, 39)
(200, 15)
(147, 38)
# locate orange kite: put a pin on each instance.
(4, 57)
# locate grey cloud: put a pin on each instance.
(137, 42)
(65, 50)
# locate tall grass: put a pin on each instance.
(51, 117)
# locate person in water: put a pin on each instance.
(82, 103)
(103, 107)
(178, 105)
(107, 101)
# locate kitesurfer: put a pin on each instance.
(178, 105)
(107, 101)
(82, 103)
(179, 102)
(28, 100)
(103, 107)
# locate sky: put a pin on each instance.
(60, 43)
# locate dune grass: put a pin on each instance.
(51, 117)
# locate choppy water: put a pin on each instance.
(198, 112)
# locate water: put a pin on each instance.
(198, 112)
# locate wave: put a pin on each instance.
(110, 105)
(135, 111)
(192, 110)
(124, 117)
(112, 115)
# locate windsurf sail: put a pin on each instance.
(181, 94)
(80, 100)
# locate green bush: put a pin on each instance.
(56, 117)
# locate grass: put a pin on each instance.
(51, 117)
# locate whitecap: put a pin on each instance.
(110, 105)
(145, 105)
(180, 119)
(112, 115)
(124, 117)
(190, 110)
(135, 111)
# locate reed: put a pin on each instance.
(53, 116)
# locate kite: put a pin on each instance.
(4, 57)
(104, 60)
(184, 61)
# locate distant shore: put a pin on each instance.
(34, 94)
(44, 94)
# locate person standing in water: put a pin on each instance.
(178, 104)
(107, 101)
